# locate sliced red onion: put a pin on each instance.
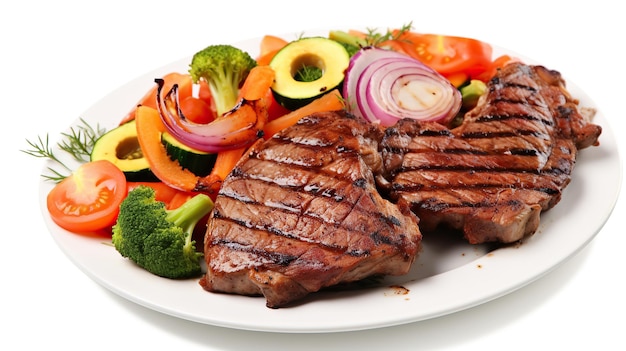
(233, 130)
(383, 86)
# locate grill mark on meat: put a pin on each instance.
(498, 84)
(503, 117)
(338, 193)
(436, 179)
(496, 134)
(522, 161)
(299, 233)
(279, 259)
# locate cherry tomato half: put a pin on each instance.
(196, 110)
(89, 199)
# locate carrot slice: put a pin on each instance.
(269, 46)
(185, 87)
(179, 199)
(226, 161)
(257, 84)
(457, 79)
(331, 101)
(270, 43)
(357, 33)
(265, 60)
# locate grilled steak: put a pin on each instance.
(300, 212)
(492, 176)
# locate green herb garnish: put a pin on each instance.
(308, 74)
(374, 38)
(78, 142)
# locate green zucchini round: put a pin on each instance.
(198, 162)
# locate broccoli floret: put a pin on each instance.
(224, 68)
(157, 239)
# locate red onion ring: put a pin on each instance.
(384, 86)
(230, 131)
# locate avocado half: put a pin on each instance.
(320, 54)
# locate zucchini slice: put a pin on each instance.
(121, 147)
(198, 162)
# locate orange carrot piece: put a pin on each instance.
(265, 60)
(331, 101)
(497, 63)
(162, 191)
(269, 46)
(357, 33)
(270, 43)
(226, 161)
(185, 86)
(179, 199)
(457, 79)
(257, 84)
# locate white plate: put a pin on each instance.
(448, 276)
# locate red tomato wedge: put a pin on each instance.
(196, 110)
(89, 199)
(448, 55)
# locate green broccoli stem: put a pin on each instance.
(189, 214)
(225, 97)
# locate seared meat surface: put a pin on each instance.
(492, 176)
(301, 212)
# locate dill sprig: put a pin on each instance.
(308, 74)
(374, 38)
(78, 142)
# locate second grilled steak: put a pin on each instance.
(492, 176)
(301, 212)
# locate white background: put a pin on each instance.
(59, 57)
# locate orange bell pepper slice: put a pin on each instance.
(331, 101)
(149, 129)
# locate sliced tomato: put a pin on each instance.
(89, 199)
(448, 55)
